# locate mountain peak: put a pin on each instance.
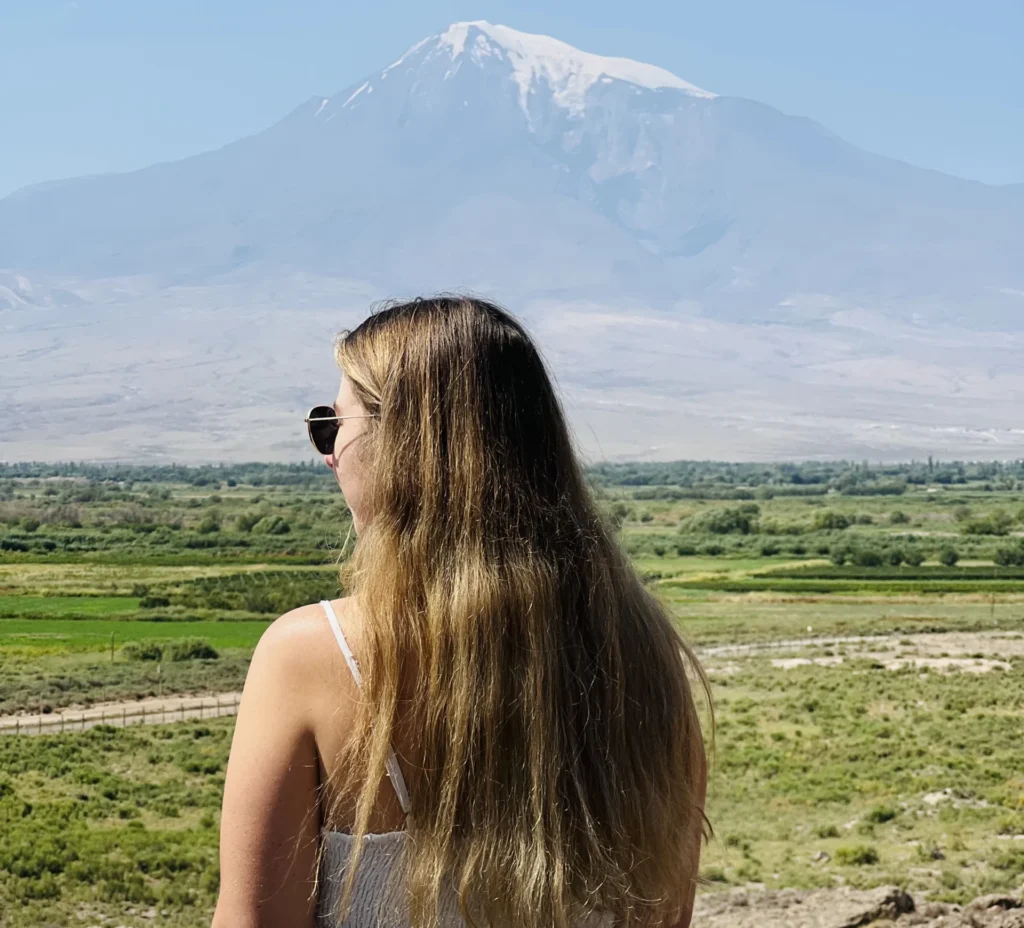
(568, 71)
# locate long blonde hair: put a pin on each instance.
(547, 688)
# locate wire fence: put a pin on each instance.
(154, 712)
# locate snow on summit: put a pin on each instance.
(569, 72)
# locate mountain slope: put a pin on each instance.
(489, 158)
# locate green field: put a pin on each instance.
(77, 635)
(14, 606)
(896, 760)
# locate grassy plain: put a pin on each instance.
(856, 763)
(869, 775)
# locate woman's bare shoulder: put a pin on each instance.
(301, 645)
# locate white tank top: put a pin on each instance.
(378, 899)
(373, 903)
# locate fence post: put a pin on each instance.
(182, 707)
(124, 716)
(17, 726)
(40, 723)
(62, 724)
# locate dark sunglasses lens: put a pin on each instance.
(322, 433)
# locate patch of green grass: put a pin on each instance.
(770, 584)
(926, 572)
(49, 664)
(45, 635)
(14, 606)
(711, 619)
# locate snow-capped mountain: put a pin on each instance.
(542, 67)
(489, 158)
(638, 223)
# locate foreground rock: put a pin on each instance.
(850, 908)
(995, 911)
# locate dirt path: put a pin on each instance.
(760, 647)
(975, 652)
(132, 712)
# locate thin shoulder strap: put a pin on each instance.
(394, 771)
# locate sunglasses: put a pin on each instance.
(322, 425)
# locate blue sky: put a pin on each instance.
(102, 85)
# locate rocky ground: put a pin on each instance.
(847, 908)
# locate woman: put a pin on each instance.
(497, 722)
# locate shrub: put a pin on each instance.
(685, 549)
(712, 550)
(879, 815)
(246, 521)
(867, 557)
(258, 601)
(142, 651)
(997, 522)
(730, 520)
(895, 557)
(949, 557)
(1010, 556)
(839, 554)
(826, 831)
(913, 557)
(774, 527)
(898, 517)
(191, 649)
(714, 875)
(271, 525)
(859, 855)
(827, 521)
(769, 549)
(153, 602)
(209, 523)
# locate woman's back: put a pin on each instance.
(376, 898)
(378, 895)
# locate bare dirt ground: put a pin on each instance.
(848, 908)
(970, 652)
